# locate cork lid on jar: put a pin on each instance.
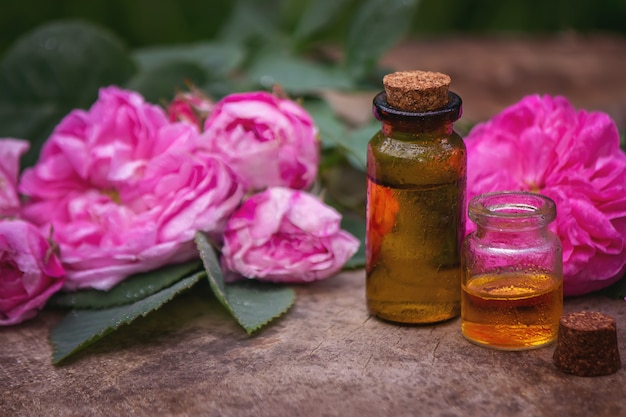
(416, 91)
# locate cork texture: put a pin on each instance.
(587, 344)
(417, 91)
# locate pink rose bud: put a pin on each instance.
(10, 152)
(190, 107)
(269, 141)
(542, 144)
(284, 235)
(30, 272)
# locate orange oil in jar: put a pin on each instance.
(512, 310)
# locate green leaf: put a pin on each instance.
(355, 226)
(134, 288)
(376, 27)
(161, 82)
(334, 133)
(252, 20)
(331, 129)
(52, 70)
(253, 304)
(295, 74)
(319, 15)
(217, 58)
(356, 142)
(80, 328)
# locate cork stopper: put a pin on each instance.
(587, 344)
(417, 91)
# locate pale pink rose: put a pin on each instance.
(10, 152)
(269, 141)
(190, 107)
(30, 272)
(125, 190)
(542, 144)
(284, 235)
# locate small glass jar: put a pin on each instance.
(512, 285)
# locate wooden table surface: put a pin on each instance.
(327, 356)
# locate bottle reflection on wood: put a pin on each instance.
(415, 211)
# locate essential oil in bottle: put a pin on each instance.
(512, 287)
(416, 174)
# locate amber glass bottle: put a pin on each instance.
(416, 174)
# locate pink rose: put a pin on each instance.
(542, 144)
(283, 235)
(267, 140)
(10, 152)
(190, 107)
(30, 272)
(125, 190)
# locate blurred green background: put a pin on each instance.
(158, 47)
(150, 22)
(50, 63)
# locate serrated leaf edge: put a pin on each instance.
(76, 300)
(175, 289)
(215, 278)
(251, 329)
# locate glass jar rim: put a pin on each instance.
(514, 207)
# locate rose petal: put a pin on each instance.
(303, 241)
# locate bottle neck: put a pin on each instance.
(399, 123)
(408, 129)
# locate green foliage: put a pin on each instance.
(377, 26)
(80, 328)
(53, 70)
(96, 314)
(317, 17)
(160, 82)
(295, 74)
(217, 58)
(332, 130)
(528, 16)
(152, 22)
(356, 226)
(336, 134)
(253, 304)
(132, 289)
(138, 22)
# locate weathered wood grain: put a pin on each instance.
(326, 357)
